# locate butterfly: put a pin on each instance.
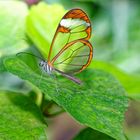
(70, 51)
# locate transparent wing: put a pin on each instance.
(73, 26)
(74, 57)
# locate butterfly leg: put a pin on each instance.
(40, 79)
(53, 75)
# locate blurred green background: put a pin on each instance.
(115, 37)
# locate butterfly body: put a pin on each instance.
(46, 67)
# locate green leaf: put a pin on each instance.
(99, 103)
(130, 82)
(12, 27)
(90, 134)
(2, 67)
(20, 118)
(41, 24)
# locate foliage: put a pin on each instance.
(12, 37)
(99, 103)
(40, 28)
(130, 82)
(20, 118)
(92, 134)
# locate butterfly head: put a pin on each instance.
(42, 63)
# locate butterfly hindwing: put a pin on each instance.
(74, 57)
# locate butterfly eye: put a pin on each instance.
(41, 64)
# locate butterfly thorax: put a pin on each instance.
(45, 66)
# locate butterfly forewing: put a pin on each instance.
(70, 50)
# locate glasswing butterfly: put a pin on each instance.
(73, 51)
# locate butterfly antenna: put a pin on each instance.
(29, 54)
